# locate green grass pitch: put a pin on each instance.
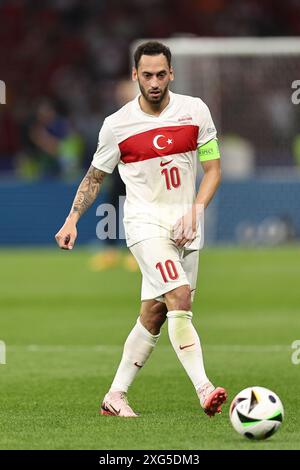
(64, 327)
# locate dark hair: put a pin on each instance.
(152, 48)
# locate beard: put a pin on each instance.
(151, 97)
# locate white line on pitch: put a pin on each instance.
(115, 348)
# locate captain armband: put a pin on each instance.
(209, 151)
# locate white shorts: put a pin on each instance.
(164, 267)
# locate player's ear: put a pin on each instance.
(134, 74)
(171, 74)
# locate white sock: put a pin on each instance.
(137, 349)
(186, 343)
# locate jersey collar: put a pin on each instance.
(137, 107)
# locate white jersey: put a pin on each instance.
(157, 160)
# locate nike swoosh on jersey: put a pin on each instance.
(186, 346)
(165, 163)
(138, 365)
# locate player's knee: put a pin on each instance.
(154, 317)
(158, 314)
(179, 298)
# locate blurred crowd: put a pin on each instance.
(63, 62)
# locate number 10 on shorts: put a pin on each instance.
(168, 270)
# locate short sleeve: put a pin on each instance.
(107, 155)
(207, 130)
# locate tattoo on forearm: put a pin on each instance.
(88, 190)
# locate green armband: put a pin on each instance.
(209, 151)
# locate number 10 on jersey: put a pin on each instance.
(172, 177)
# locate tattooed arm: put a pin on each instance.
(85, 196)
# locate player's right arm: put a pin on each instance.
(105, 159)
(85, 196)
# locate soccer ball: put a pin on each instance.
(256, 413)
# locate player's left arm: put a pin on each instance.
(209, 183)
(209, 156)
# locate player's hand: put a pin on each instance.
(66, 236)
(185, 229)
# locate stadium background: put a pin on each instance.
(64, 317)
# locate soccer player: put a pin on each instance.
(155, 140)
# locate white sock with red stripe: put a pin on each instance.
(137, 349)
(186, 343)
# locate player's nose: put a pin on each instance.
(154, 84)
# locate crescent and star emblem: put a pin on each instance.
(166, 141)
